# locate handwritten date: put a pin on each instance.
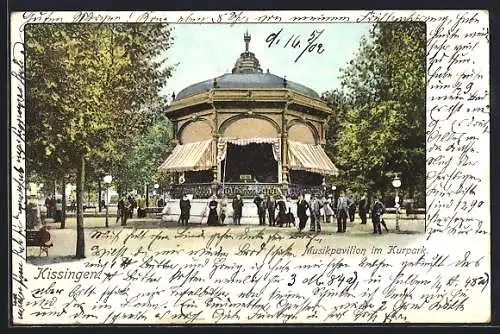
(296, 42)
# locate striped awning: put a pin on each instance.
(189, 157)
(309, 157)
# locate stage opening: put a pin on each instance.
(251, 163)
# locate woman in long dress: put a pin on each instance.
(290, 218)
(328, 210)
(302, 212)
(222, 212)
(282, 212)
(213, 217)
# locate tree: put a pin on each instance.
(91, 90)
(146, 156)
(380, 123)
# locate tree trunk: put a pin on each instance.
(80, 237)
(411, 191)
(63, 215)
(99, 189)
(146, 189)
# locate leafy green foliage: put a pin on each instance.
(92, 90)
(147, 154)
(380, 122)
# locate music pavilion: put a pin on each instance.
(248, 132)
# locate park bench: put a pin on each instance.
(85, 207)
(417, 211)
(39, 238)
(153, 211)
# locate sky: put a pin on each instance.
(206, 51)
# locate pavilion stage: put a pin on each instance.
(248, 191)
(246, 132)
(199, 212)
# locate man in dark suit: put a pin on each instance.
(352, 208)
(124, 207)
(315, 207)
(261, 209)
(378, 210)
(237, 209)
(271, 208)
(132, 205)
(363, 208)
(343, 204)
(185, 206)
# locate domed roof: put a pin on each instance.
(246, 80)
(246, 74)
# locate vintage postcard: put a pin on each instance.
(245, 167)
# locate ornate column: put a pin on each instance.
(284, 157)
(284, 150)
(322, 139)
(216, 168)
(175, 128)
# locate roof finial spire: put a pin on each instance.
(247, 39)
(247, 62)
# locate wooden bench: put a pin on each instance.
(155, 211)
(85, 207)
(39, 238)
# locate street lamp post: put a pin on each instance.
(107, 181)
(334, 188)
(156, 186)
(334, 204)
(396, 183)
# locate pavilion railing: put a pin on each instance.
(294, 190)
(250, 189)
(247, 190)
(198, 190)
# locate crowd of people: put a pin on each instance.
(283, 211)
(128, 203)
(279, 211)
